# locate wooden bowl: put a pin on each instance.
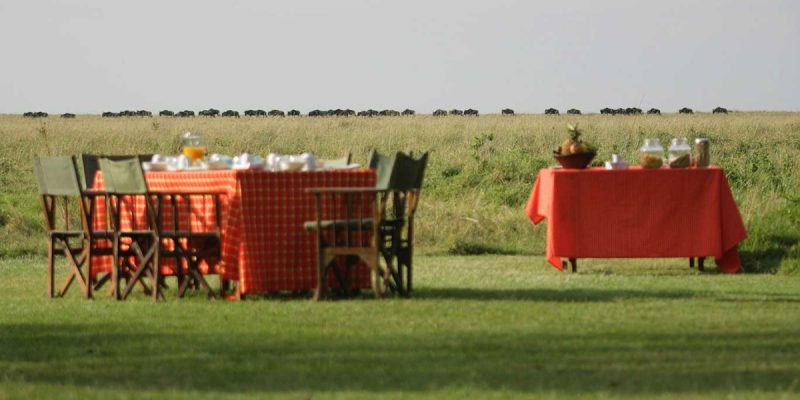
(575, 161)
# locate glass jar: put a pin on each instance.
(702, 155)
(193, 146)
(680, 153)
(651, 154)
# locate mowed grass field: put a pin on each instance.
(489, 317)
(477, 327)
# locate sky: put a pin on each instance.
(90, 56)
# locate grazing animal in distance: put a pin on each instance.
(408, 111)
(68, 115)
(574, 111)
(230, 113)
(471, 111)
(439, 113)
(551, 111)
(606, 111)
(276, 113)
(507, 111)
(654, 111)
(456, 111)
(166, 113)
(293, 113)
(685, 110)
(719, 110)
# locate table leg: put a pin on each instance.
(700, 262)
(691, 262)
(574, 263)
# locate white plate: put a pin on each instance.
(215, 166)
(154, 166)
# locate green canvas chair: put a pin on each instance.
(90, 164)
(59, 191)
(386, 235)
(136, 249)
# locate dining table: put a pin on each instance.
(638, 213)
(265, 247)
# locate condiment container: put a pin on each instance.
(651, 154)
(679, 153)
(702, 154)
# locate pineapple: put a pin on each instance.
(573, 145)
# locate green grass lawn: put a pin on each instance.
(477, 327)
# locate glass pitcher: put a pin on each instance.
(651, 154)
(193, 146)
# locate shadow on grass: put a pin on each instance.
(768, 259)
(565, 296)
(676, 362)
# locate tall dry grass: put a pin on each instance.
(480, 173)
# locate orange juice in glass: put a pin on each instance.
(193, 146)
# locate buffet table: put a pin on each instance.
(264, 245)
(638, 213)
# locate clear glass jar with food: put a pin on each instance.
(680, 153)
(651, 154)
(702, 156)
(193, 146)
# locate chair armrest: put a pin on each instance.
(368, 189)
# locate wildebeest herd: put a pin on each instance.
(211, 112)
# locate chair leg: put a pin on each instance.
(700, 262)
(51, 279)
(691, 262)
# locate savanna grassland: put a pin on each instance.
(489, 318)
(480, 172)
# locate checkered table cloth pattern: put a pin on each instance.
(264, 245)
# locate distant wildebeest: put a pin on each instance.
(143, 113)
(315, 113)
(362, 113)
(507, 111)
(293, 113)
(249, 113)
(685, 110)
(68, 115)
(574, 111)
(276, 113)
(439, 113)
(185, 113)
(109, 114)
(35, 114)
(720, 110)
(230, 113)
(633, 111)
(654, 111)
(620, 111)
(166, 113)
(551, 111)
(211, 112)
(606, 111)
(471, 111)
(408, 111)
(389, 113)
(456, 111)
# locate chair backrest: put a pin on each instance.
(56, 176)
(91, 164)
(398, 171)
(124, 176)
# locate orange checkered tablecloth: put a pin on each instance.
(264, 245)
(638, 213)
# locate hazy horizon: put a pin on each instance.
(91, 56)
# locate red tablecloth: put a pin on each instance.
(638, 213)
(264, 245)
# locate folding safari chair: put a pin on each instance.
(59, 191)
(377, 224)
(90, 164)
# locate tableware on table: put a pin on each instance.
(310, 161)
(616, 162)
(702, 153)
(193, 147)
(154, 166)
(219, 162)
(292, 163)
(651, 154)
(679, 153)
(248, 161)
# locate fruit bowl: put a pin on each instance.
(575, 161)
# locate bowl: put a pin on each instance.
(575, 161)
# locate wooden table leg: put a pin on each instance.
(700, 262)
(574, 263)
(691, 262)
